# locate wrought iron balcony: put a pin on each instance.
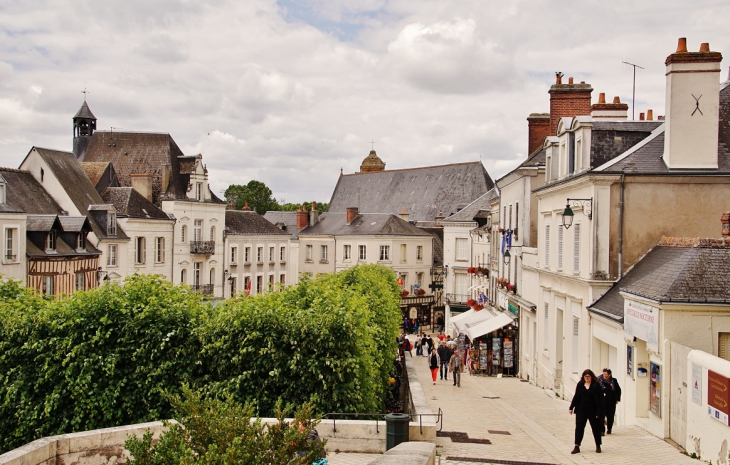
(205, 289)
(457, 298)
(202, 247)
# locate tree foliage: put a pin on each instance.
(107, 357)
(261, 200)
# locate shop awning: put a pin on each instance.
(486, 327)
(469, 319)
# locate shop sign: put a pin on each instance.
(642, 322)
(718, 396)
(697, 384)
(512, 307)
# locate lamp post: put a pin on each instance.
(507, 257)
(587, 206)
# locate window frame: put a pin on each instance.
(140, 250)
(112, 252)
(461, 246)
(362, 252)
(323, 254)
(159, 249)
(346, 252)
(384, 255)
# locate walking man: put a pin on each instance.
(456, 366)
(443, 354)
(611, 396)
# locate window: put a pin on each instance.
(723, 342)
(159, 250)
(571, 152)
(199, 191)
(111, 255)
(80, 241)
(211, 276)
(578, 154)
(247, 255)
(3, 193)
(183, 276)
(212, 233)
(510, 217)
(560, 248)
(461, 286)
(403, 250)
(576, 326)
(79, 281)
(247, 285)
(198, 231)
(362, 252)
(576, 248)
(271, 254)
(517, 219)
(309, 253)
(271, 282)
(546, 259)
(384, 253)
(111, 224)
(51, 241)
(232, 282)
(282, 254)
(282, 279)
(234, 253)
(183, 233)
(419, 279)
(346, 252)
(140, 251)
(323, 253)
(259, 254)
(47, 285)
(419, 252)
(462, 245)
(259, 284)
(545, 326)
(11, 244)
(196, 274)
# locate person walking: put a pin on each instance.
(443, 353)
(415, 325)
(456, 366)
(408, 346)
(588, 405)
(429, 343)
(433, 364)
(611, 397)
(419, 345)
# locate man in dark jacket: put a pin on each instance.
(611, 396)
(444, 356)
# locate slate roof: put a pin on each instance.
(84, 112)
(74, 223)
(250, 223)
(364, 224)
(42, 223)
(132, 204)
(438, 243)
(101, 174)
(77, 186)
(289, 219)
(25, 194)
(689, 270)
(422, 192)
(537, 158)
(468, 213)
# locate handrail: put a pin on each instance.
(439, 418)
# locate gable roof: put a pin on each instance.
(250, 223)
(364, 224)
(471, 211)
(288, 219)
(25, 194)
(132, 204)
(691, 270)
(422, 192)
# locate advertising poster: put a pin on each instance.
(655, 390)
(496, 343)
(508, 356)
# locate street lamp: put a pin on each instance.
(507, 257)
(568, 214)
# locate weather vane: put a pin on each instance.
(372, 145)
(84, 92)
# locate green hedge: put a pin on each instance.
(107, 357)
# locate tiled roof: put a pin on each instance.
(85, 112)
(41, 223)
(676, 270)
(288, 219)
(74, 223)
(364, 224)
(481, 204)
(250, 223)
(132, 204)
(25, 194)
(95, 171)
(421, 192)
(536, 158)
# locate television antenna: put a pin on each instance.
(633, 91)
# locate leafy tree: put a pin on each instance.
(256, 193)
(290, 207)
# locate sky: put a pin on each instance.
(290, 92)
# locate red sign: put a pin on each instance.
(718, 392)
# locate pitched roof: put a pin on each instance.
(132, 204)
(468, 213)
(422, 192)
(536, 158)
(95, 170)
(42, 223)
(689, 270)
(74, 223)
(288, 219)
(84, 112)
(364, 224)
(25, 194)
(250, 223)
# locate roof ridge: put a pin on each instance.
(14, 170)
(418, 168)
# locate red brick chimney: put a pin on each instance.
(615, 110)
(725, 220)
(302, 218)
(352, 212)
(538, 128)
(568, 100)
(245, 207)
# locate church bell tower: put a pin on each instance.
(84, 126)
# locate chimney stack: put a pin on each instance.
(725, 221)
(692, 108)
(404, 215)
(142, 183)
(538, 128)
(313, 215)
(615, 110)
(352, 212)
(245, 207)
(302, 218)
(231, 205)
(568, 100)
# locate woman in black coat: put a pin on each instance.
(611, 396)
(588, 406)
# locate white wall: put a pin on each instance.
(14, 268)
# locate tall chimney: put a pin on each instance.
(142, 183)
(302, 218)
(538, 128)
(352, 212)
(615, 110)
(313, 215)
(693, 108)
(568, 100)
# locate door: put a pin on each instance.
(678, 394)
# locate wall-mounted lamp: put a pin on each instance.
(568, 214)
(507, 257)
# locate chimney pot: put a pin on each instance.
(570, 80)
(682, 45)
(602, 97)
(617, 99)
(725, 221)
(649, 115)
(314, 205)
(582, 82)
(641, 117)
(351, 214)
(705, 47)
(245, 207)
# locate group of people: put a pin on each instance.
(410, 325)
(594, 400)
(445, 360)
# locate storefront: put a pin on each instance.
(493, 343)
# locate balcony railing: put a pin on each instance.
(205, 289)
(202, 247)
(458, 298)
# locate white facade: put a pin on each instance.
(149, 251)
(14, 262)
(260, 260)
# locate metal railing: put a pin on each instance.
(202, 247)
(439, 418)
(205, 289)
(458, 298)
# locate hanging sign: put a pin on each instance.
(642, 322)
(718, 396)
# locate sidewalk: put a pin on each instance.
(527, 425)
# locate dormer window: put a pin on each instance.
(3, 193)
(51, 240)
(111, 224)
(80, 241)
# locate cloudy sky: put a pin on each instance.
(288, 92)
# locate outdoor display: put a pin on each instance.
(655, 391)
(508, 355)
(496, 342)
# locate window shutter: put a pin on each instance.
(560, 248)
(547, 245)
(576, 325)
(546, 326)
(724, 346)
(576, 249)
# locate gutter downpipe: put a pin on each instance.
(621, 229)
